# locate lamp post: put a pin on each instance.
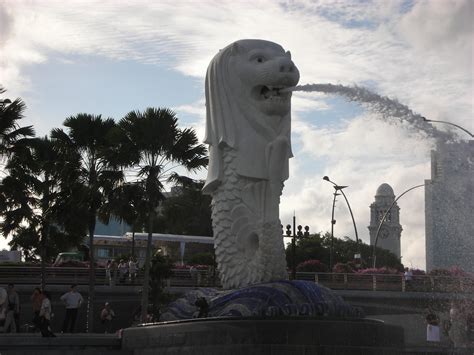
(5, 102)
(382, 220)
(452, 124)
(339, 188)
(296, 234)
(333, 221)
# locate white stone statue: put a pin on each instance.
(248, 132)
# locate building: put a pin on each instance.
(178, 247)
(391, 230)
(449, 207)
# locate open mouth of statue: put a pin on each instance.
(271, 93)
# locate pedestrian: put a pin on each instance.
(203, 306)
(194, 275)
(36, 302)
(408, 275)
(432, 328)
(113, 272)
(106, 317)
(45, 315)
(7, 319)
(107, 272)
(73, 301)
(123, 270)
(14, 305)
(132, 270)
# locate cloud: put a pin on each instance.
(363, 153)
(420, 53)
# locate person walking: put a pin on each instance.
(132, 270)
(45, 315)
(73, 301)
(408, 275)
(106, 317)
(113, 272)
(123, 270)
(36, 302)
(14, 306)
(107, 272)
(7, 320)
(432, 328)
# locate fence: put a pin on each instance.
(207, 278)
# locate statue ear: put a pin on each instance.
(235, 48)
(288, 54)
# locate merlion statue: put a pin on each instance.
(248, 132)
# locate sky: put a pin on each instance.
(112, 57)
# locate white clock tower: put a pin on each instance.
(391, 230)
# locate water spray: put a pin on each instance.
(381, 104)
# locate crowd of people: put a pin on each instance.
(124, 271)
(42, 312)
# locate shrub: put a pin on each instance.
(418, 272)
(311, 266)
(381, 270)
(344, 268)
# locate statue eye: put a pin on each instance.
(260, 59)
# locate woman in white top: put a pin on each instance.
(45, 316)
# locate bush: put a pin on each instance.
(311, 266)
(418, 272)
(188, 266)
(344, 268)
(381, 270)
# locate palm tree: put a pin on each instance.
(12, 136)
(127, 204)
(31, 204)
(91, 138)
(159, 146)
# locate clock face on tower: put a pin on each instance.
(384, 233)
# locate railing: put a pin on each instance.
(206, 278)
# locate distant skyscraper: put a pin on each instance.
(449, 207)
(390, 233)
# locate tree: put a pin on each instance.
(127, 204)
(33, 213)
(12, 136)
(188, 212)
(92, 140)
(317, 246)
(159, 146)
(161, 269)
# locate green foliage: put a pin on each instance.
(187, 213)
(161, 269)
(317, 246)
(33, 209)
(344, 268)
(13, 137)
(311, 266)
(157, 146)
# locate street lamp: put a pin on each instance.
(450, 123)
(333, 221)
(339, 188)
(296, 234)
(5, 102)
(382, 220)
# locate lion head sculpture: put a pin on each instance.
(245, 109)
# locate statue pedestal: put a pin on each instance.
(239, 336)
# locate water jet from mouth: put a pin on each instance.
(386, 107)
